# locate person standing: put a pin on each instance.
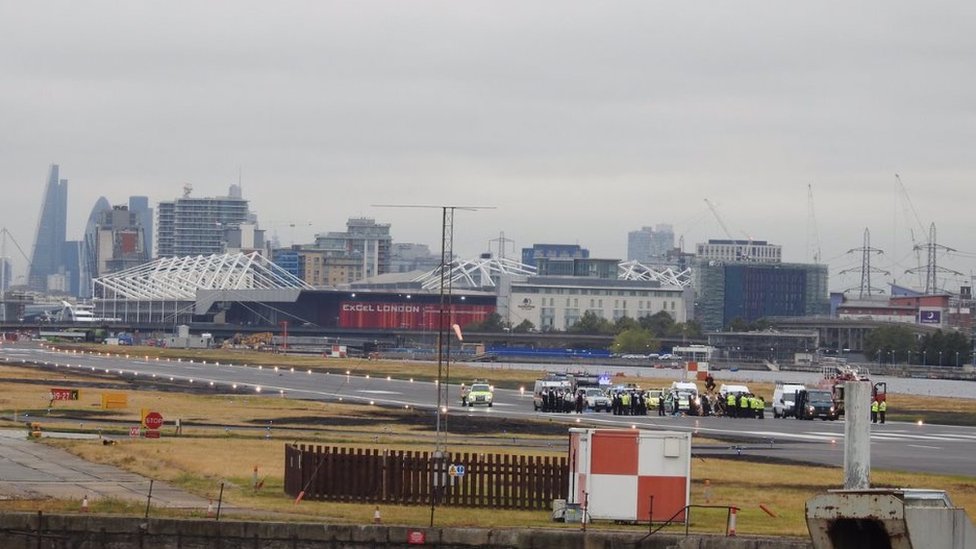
(660, 404)
(730, 406)
(744, 408)
(875, 406)
(882, 410)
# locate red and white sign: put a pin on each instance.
(153, 420)
(407, 316)
(416, 537)
(134, 431)
(152, 434)
(64, 394)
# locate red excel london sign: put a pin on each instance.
(407, 316)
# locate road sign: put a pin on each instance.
(456, 470)
(153, 420)
(64, 394)
(152, 434)
(416, 537)
(134, 431)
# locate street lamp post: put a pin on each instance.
(957, 359)
(284, 336)
(925, 361)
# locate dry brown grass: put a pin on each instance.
(208, 455)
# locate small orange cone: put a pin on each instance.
(84, 504)
(376, 516)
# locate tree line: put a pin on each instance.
(642, 335)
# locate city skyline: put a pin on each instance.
(578, 123)
(908, 279)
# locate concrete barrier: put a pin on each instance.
(34, 530)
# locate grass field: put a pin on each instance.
(225, 436)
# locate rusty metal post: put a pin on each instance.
(857, 435)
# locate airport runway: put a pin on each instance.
(895, 445)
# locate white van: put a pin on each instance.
(726, 388)
(556, 384)
(784, 398)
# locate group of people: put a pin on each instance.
(745, 405)
(562, 401)
(879, 408)
(628, 403)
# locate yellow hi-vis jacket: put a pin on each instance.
(874, 406)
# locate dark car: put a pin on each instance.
(815, 403)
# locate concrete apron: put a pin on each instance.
(29, 470)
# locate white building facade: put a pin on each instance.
(750, 251)
(557, 303)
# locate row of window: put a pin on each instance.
(617, 303)
(587, 291)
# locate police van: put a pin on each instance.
(556, 383)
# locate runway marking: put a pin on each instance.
(926, 447)
(897, 436)
(377, 392)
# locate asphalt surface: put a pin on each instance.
(29, 470)
(894, 446)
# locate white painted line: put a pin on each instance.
(925, 447)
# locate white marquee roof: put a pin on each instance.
(475, 273)
(633, 270)
(179, 278)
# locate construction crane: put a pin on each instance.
(744, 251)
(718, 218)
(813, 235)
(909, 207)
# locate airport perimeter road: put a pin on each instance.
(897, 446)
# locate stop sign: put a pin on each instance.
(153, 420)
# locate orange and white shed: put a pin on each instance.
(627, 475)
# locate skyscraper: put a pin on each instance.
(139, 205)
(195, 226)
(650, 245)
(88, 268)
(47, 256)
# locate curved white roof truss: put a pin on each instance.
(179, 278)
(633, 270)
(475, 273)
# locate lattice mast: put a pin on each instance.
(932, 269)
(865, 290)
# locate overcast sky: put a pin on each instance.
(576, 121)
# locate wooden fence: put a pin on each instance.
(499, 481)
